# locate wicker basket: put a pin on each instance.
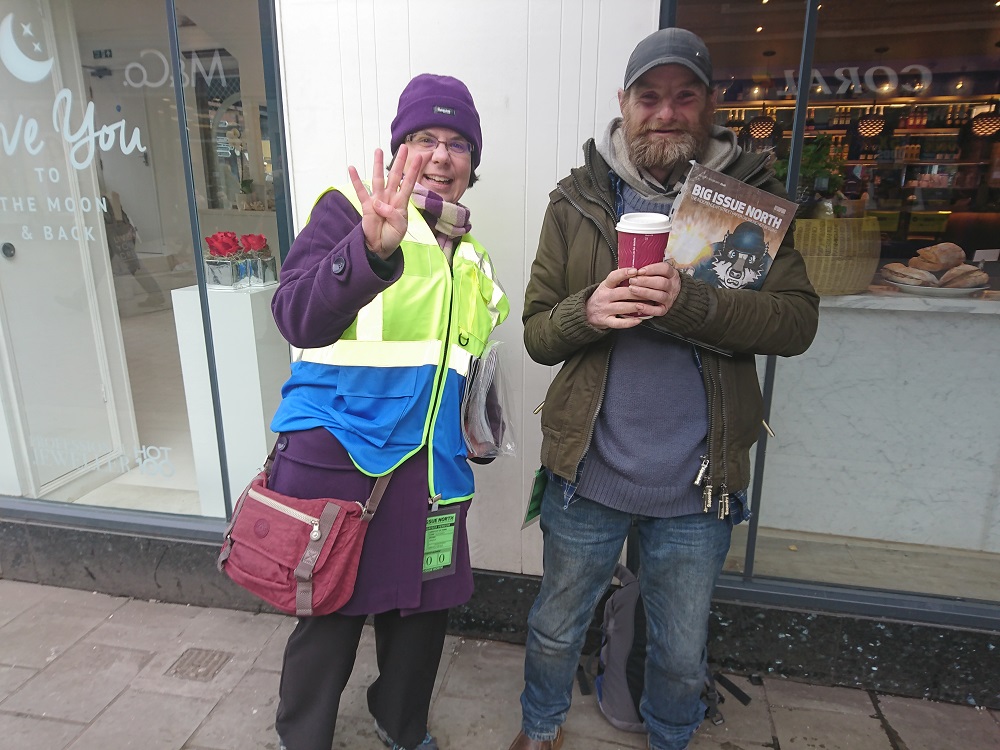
(841, 254)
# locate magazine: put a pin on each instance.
(726, 232)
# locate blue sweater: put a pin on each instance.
(651, 431)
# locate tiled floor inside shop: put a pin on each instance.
(161, 418)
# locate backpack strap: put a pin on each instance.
(624, 575)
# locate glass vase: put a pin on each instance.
(263, 271)
(226, 273)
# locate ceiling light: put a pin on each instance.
(760, 29)
(761, 127)
(986, 124)
(871, 125)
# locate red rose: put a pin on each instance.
(223, 244)
(254, 243)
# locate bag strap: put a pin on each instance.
(304, 570)
(371, 505)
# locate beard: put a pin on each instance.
(654, 152)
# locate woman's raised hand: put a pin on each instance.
(384, 210)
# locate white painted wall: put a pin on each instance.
(544, 75)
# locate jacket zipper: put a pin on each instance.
(705, 471)
(712, 371)
(724, 487)
(607, 361)
(593, 178)
(600, 227)
(315, 534)
(439, 383)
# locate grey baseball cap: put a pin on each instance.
(666, 46)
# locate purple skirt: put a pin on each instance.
(313, 464)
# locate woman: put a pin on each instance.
(387, 299)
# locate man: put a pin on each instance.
(647, 419)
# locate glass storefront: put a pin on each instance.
(131, 377)
(104, 379)
(882, 470)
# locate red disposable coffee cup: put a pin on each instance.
(642, 241)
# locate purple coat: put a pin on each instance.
(325, 280)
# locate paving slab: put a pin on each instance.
(16, 597)
(144, 721)
(32, 733)
(271, 655)
(230, 630)
(744, 725)
(809, 716)
(799, 695)
(43, 631)
(925, 725)
(243, 719)
(80, 684)
(144, 625)
(11, 678)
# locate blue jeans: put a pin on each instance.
(679, 558)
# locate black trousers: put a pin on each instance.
(319, 658)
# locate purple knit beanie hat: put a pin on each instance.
(431, 101)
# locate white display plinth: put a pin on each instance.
(252, 361)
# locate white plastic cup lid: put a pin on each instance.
(644, 223)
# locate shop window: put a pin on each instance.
(881, 471)
(100, 406)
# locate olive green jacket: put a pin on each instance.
(577, 249)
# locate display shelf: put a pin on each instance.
(909, 163)
(927, 131)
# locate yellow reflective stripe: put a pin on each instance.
(368, 325)
(375, 353)
(469, 251)
(459, 360)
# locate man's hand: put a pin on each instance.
(384, 211)
(610, 301)
(656, 286)
(651, 291)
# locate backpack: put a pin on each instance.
(622, 662)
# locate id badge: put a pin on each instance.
(440, 544)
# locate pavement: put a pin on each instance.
(87, 671)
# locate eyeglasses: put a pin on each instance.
(425, 142)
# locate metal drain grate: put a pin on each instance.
(199, 664)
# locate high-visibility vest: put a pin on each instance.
(393, 382)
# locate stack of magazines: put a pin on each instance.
(487, 433)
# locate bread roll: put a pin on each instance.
(901, 274)
(965, 277)
(948, 254)
(925, 265)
